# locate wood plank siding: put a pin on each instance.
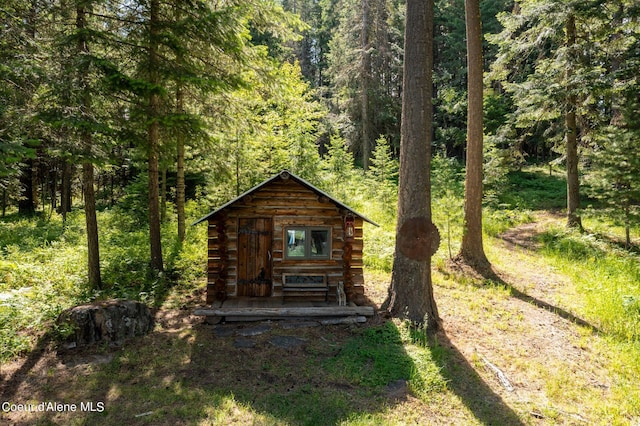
(247, 242)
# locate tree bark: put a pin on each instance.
(65, 190)
(471, 250)
(627, 225)
(153, 136)
(365, 70)
(573, 183)
(53, 185)
(411, 292)
(163, 193)
(180, 184)
(95, 281)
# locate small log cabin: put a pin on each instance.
(285, 239)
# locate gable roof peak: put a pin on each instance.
(285, 175)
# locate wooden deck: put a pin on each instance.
(276, 308)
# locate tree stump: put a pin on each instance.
(112, 321)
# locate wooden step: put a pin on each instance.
(292, 311)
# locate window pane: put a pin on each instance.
(319, 243)
(295, 242)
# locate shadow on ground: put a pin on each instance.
(10, 382)
(487, 406)
(273, 373)
(493, 276)
(187, 372)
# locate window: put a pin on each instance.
(304, 242)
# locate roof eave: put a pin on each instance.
(285, 174)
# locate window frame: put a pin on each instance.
(307, 242)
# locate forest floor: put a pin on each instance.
(512, 351)
(535, 356)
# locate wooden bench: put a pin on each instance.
(305, 285)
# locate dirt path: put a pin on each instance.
(524, 236)
(528, 333)
(527, 273)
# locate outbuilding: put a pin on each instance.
(283, 241)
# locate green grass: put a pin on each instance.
(381, 355)
(40, 275)
(43, 269)
(533, 188)
(607, 277)
(607, 282)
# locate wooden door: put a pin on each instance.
(254, 257)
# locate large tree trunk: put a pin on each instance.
(365, 70)
(180, 185)
(91, 220)
(472, 251)
(411, 292)
(573, 183)
(95, 281)
(153, 136)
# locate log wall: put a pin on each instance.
(287, 203)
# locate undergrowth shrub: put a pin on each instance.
(355, 189)
(43, 268)
(12, 343)
(188, 262)
(533, 189)
(42, 272)
(379, 243)
(134, 205)
(497, 221)
(573, 245)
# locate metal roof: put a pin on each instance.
(284, 175)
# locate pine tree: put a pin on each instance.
(411, 293)
(338, 162)
(21, 77)
(18, 73)
(546, 64)
(86, 140)
(384, 173)
(613, 176)
(450, 70)
(613, 167)
(365, 75)
(192, 50)
(471, 250)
